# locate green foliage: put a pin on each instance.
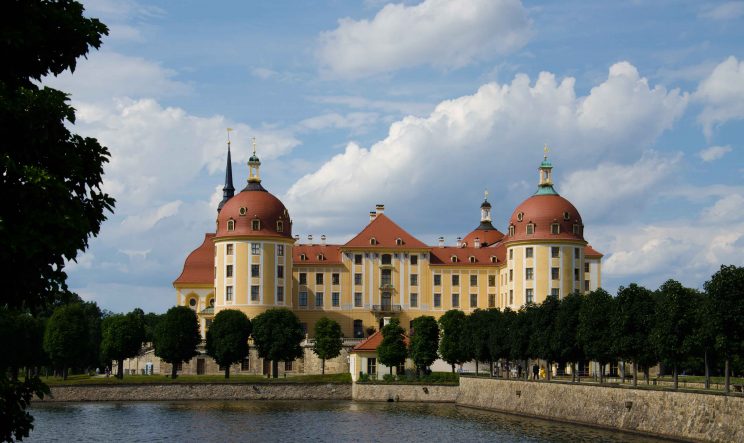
(632, 321)
(424, 341)
(392, 351)
(16, 397)
(51, 178)
(277, 334)
(498, 333)
(453, 346)
(674, 322)
(542, 339)
(520, 324)
(478, 334)
(24, 344)
(177, 336)
(565, 342)
(595, 331)
(66, 338)
(121, 338)
(93, 315)
(328, 340)
(227, 338)
(726, 290)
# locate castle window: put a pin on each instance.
(586, 266)
(511, 254)
(242, 210)
(229, 271)
(211, 302)
(303, 298)
(256, 224)
(321, 257)
(372, 241)
(229, 249)
(335, 278)
(303, 257)
(228, 293)
(357, 303)
(576, 229)
(437, 279)
(555, 273)
(414, 279)
(255, 270)
(357, 259)
(231, 225)
(491, 300)
(529, 295)
(455, 300)
(577, 253)
(357, 278)
(303, 278)
(555, 251)
(279, 226)
(455, 280)
(493, 259)
(472, 259)
(280, 250)
(437, 300)
(530, 228)
(491, 281)
(529, 252)
(454, 259)
(386, 259)
(555, 228)
(192, 303)
(474, 280)
(245, 364)
(335, 299)
(319, 278)
(255, 248)
(358, 329)
(414, 259)
(254, 293)
(414, 300)
(398, 241)
(529, 273)
(520, 216)
(511, 230)
(473, 300)
(566, 216)
(318, 299)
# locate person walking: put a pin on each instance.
(535, 371)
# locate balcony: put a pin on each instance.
(386, 286)
(385, 308)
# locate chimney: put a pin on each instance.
(380, 208)
(310, 238)
(372, 215)
(476, 243)
(441, 242)
(459, 242)
(322, 239)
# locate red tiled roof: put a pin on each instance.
(259, 204)
(199, 265)
(331, 254)
(486, 237)
(443, 256)
(371, 343)
(544, 210)
(591, 252)
(385, 232)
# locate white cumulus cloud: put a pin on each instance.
(714, 153)
(440, 33)
(722, 95)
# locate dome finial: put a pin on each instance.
(254, 145)
(485, 194)
(253, 165)
(545, 185)
(545, 151)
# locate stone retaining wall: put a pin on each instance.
(683, 415)
(202, 391)
(404, 392)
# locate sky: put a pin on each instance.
(421, 106)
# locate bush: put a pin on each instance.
(387, 378)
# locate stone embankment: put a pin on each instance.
(202, 391)
(405, 392)
(690, 416)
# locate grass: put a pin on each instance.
(701, 379)
(81, 380)
(435, 378)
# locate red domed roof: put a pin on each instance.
(254, 203)
(543, 211)
(199, 265)
(487, 237)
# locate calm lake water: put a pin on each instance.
(336, 421)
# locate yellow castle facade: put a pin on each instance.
(252, 262)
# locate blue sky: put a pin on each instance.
(421, 106)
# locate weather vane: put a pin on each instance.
(485, 193)
(545, 150)
(254, 145)
(228, 135)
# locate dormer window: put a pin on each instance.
(399, 241)
(303, 257)
(520, 216)
(454, 259)
(279, 226)
(576, 229)
(511, 230)
(321, 257)
(373, 241)
(256, 224)
(530, 228)
(555, 228)
(243, 210)
(566, 216)
(471, 259)
(493, 259)
(231, 225)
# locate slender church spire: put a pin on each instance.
(228, 191)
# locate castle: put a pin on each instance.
(252, 262)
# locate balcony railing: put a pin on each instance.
(385, 307)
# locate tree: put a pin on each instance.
(632, 322)
(520, 331)
(477, 335)
(726, 290)
(565, 341)
(177, 336)
(24, 345)
(121, 338)
(50, 179)
(277, 334)
(498, 331)
(424, 342)
(66, 337)
(453, 346)
(93, 316)
(392, 351)
(595, 332)
(227, 338)
(703, 337)
(328, 340)
(543, 331)
(673, 324)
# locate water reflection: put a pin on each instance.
(338, 421)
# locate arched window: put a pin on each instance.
(372, 241)
(399, 241)
(321, 257)
(211, 302)
(256, 224)
(471, 259)
(358, 329)
(303, 257)
(279, 226)
(566, 216)
(493, 259)
(386, 259)
(231, 225)
(530, 228)
(511, 230)
(454, 259)
(576, 229)
(520, 216)
(192, 303)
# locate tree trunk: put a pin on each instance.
(64, 371)
(227, 371)
(647, 375)
(120, 369)
(573, 372)
(707, 371)
(322, 366)
(601, 373)
(391, 370)
(174, 372)
(490, 367)
(526, 377)
(676, 376)
(635, 374)
(548, 370)
(476, 367)
(453, 368)
(727, 374)
(275, 368)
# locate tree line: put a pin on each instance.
(678, 327)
